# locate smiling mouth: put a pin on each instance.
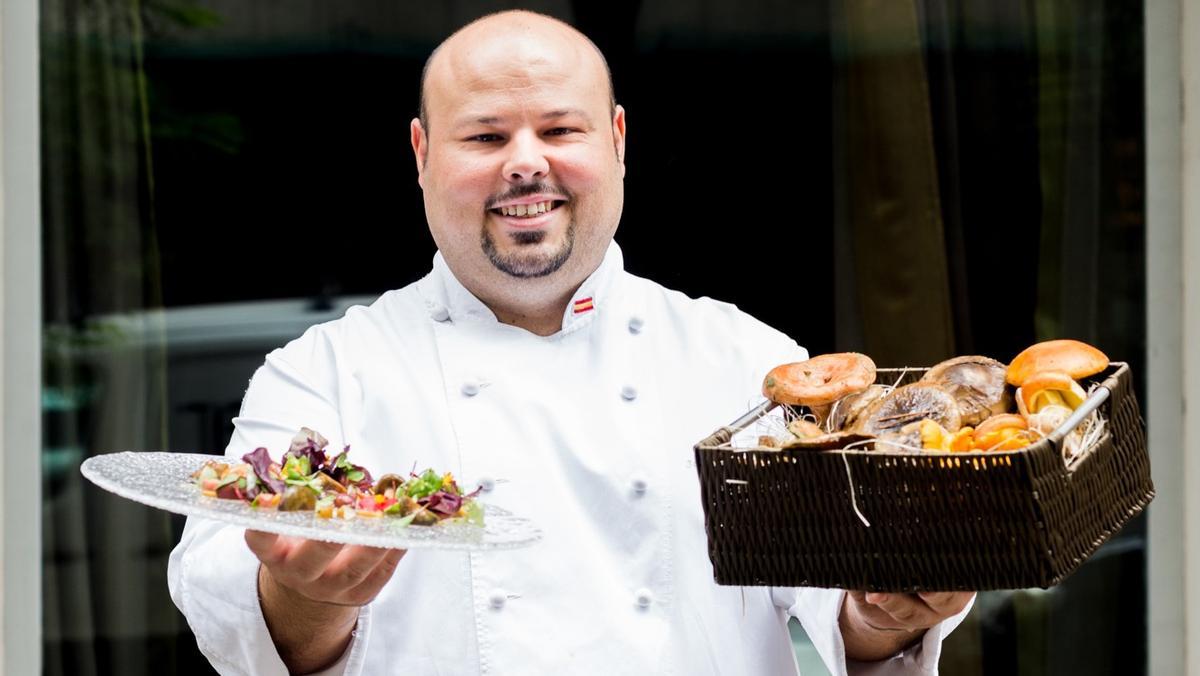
(528, 210)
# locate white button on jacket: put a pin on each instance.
(383, 380)
(639, 484)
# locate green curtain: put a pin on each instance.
(891, 202)
(105, 605)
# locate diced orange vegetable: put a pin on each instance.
(962, 440)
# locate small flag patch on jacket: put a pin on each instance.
(583, 305)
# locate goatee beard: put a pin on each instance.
(529, 265)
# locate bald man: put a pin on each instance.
(527, 360)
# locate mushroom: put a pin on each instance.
(804, 429)
(819, 381)
(846, 411)
(392, 481)
(298, 499)
(330, 483)
(1076, 359)
(976, 383)
(909, 404)
(1049, 389)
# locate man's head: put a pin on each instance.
(520, 154)
(423, 113)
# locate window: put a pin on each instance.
(911, 179)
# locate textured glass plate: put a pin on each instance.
(163, 480)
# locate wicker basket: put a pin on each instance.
(938, 521)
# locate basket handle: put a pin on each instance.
(750, 416)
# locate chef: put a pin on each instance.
(530, 363)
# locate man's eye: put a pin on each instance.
(560, 131)
(485, 138)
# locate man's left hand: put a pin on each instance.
(876, 626)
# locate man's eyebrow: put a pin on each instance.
(493, 120)
(564, 112)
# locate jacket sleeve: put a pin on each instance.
(212, 574)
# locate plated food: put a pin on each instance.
(167, 480)
(307, 479)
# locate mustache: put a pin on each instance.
(525, 190)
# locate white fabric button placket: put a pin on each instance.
(638, 484)
(629, 392)
(495, 598)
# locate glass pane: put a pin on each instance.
(912, 179)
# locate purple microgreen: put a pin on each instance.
(443, 504)
(260, 461)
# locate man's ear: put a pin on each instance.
(618, 128)
(420, 146)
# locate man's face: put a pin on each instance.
(522, 165)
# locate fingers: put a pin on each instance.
(369, 588)
(351, 567)
(907, 612)
(294, 562)
(308, 559)
(322, 571)
(895, 612)
(946, 604)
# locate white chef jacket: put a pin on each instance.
(588, 431)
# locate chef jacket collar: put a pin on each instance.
(448, 300)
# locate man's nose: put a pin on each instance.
(527, 158)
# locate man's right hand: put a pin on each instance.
(310, 592)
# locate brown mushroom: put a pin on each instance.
(846, 411)
(393, 481)
(976, 383)
(819, 381)
(1076, 359)
(330, 483)
(909, 404)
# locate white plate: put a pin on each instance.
(163, 480)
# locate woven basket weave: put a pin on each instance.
(938, 521)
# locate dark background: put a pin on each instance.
(274, 163)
